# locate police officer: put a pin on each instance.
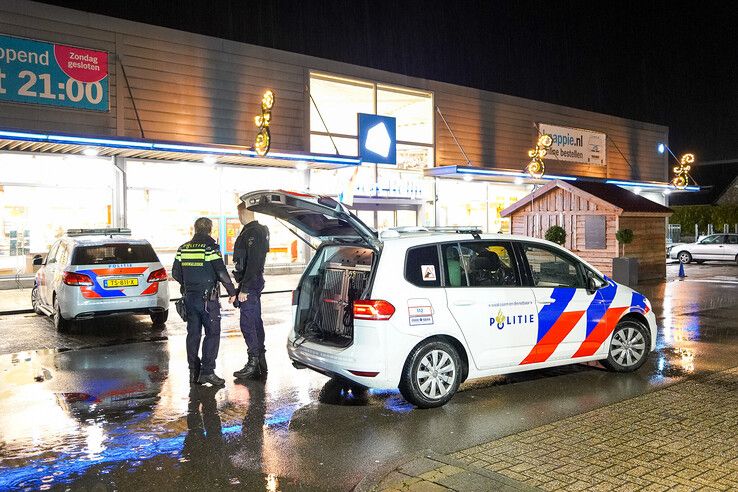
(198, 267)
(249, 255)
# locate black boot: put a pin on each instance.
(211, 379)
(251, 370)
(263, 364)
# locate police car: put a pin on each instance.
(423, 310)
(100, 272)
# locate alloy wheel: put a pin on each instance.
(436, 374)
(628, 346)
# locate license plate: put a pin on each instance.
(122, 282)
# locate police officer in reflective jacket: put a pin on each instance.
(198, 267)
(249, 255)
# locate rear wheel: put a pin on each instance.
(629, 347)
(35, 300)
(160, 317)
(60, 323)
(432, 374)
(684, 257)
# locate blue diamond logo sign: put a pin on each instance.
(377, 139)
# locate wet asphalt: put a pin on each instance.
(108, 406)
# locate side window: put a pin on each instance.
(716, 239)
(480, 264)
(732, 239)
(62, 256)
(52, 254)
(552, 269)
(422, 268)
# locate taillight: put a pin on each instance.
(76, 279)
(375, 310)
(159, 275)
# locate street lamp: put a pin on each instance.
(681, 172)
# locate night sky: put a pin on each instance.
(672, 63)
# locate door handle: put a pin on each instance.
(463, 302)
(546, 302)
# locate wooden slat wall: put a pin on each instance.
(649, 238)
(197, 88)
(561, 207)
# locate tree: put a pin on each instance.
(624, 236)
(556, 234)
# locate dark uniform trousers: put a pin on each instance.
(202, 316)
(252, 326)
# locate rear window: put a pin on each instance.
(114, 253)
(422, 268)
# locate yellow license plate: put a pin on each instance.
(122, 282)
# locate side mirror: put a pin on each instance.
(592, 285)
(38, 260)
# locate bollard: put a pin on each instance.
(681, 270)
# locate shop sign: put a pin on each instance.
(390, 188)
(377, 139)
(38, 72)
(575, 144)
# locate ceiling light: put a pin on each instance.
(90, 151)
(301, 165)
(209, 159)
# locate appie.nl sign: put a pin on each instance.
(575, 144)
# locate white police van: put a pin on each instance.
(424, 310)
(100, 272)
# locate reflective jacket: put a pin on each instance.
(249, 253)
(199, 266)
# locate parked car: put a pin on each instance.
(100, 272)
(720, 247)
(424, 310)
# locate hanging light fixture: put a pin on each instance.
(264, 137)
(681, 172)
(536, 167)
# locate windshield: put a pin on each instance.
(114, 253)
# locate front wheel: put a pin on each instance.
(160, 317)
(432, 374)
(684, 257)
(629, 347)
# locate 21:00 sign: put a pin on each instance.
(74, 90)
(52, 74)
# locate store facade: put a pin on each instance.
(163, 132)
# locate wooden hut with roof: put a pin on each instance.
(591, 213)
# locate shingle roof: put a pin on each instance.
(620, 197)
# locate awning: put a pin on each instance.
(472, 173)
(58, 143)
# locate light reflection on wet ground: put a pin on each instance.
(124, 415)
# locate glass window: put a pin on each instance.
(422, 267)
(594, 232)
(413, 110)
(52, 253)
(114, 253)
(714, 239)
(551, 269)
(338, 101)
(732, 239)
(480, 264)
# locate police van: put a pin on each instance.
(423, 310)
(100, 272)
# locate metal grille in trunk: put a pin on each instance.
(341, 286)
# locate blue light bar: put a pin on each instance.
(174, 147)
(511, 174)
(663, 186)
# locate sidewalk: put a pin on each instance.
(683, 437)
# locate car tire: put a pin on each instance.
(160, 317)
(431, 375)
(60, 323)
(35, 300)
(736, 259)
(629, 347)
(684, 257)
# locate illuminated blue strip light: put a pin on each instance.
(509, 174)
(172, 147)
(451, 170)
